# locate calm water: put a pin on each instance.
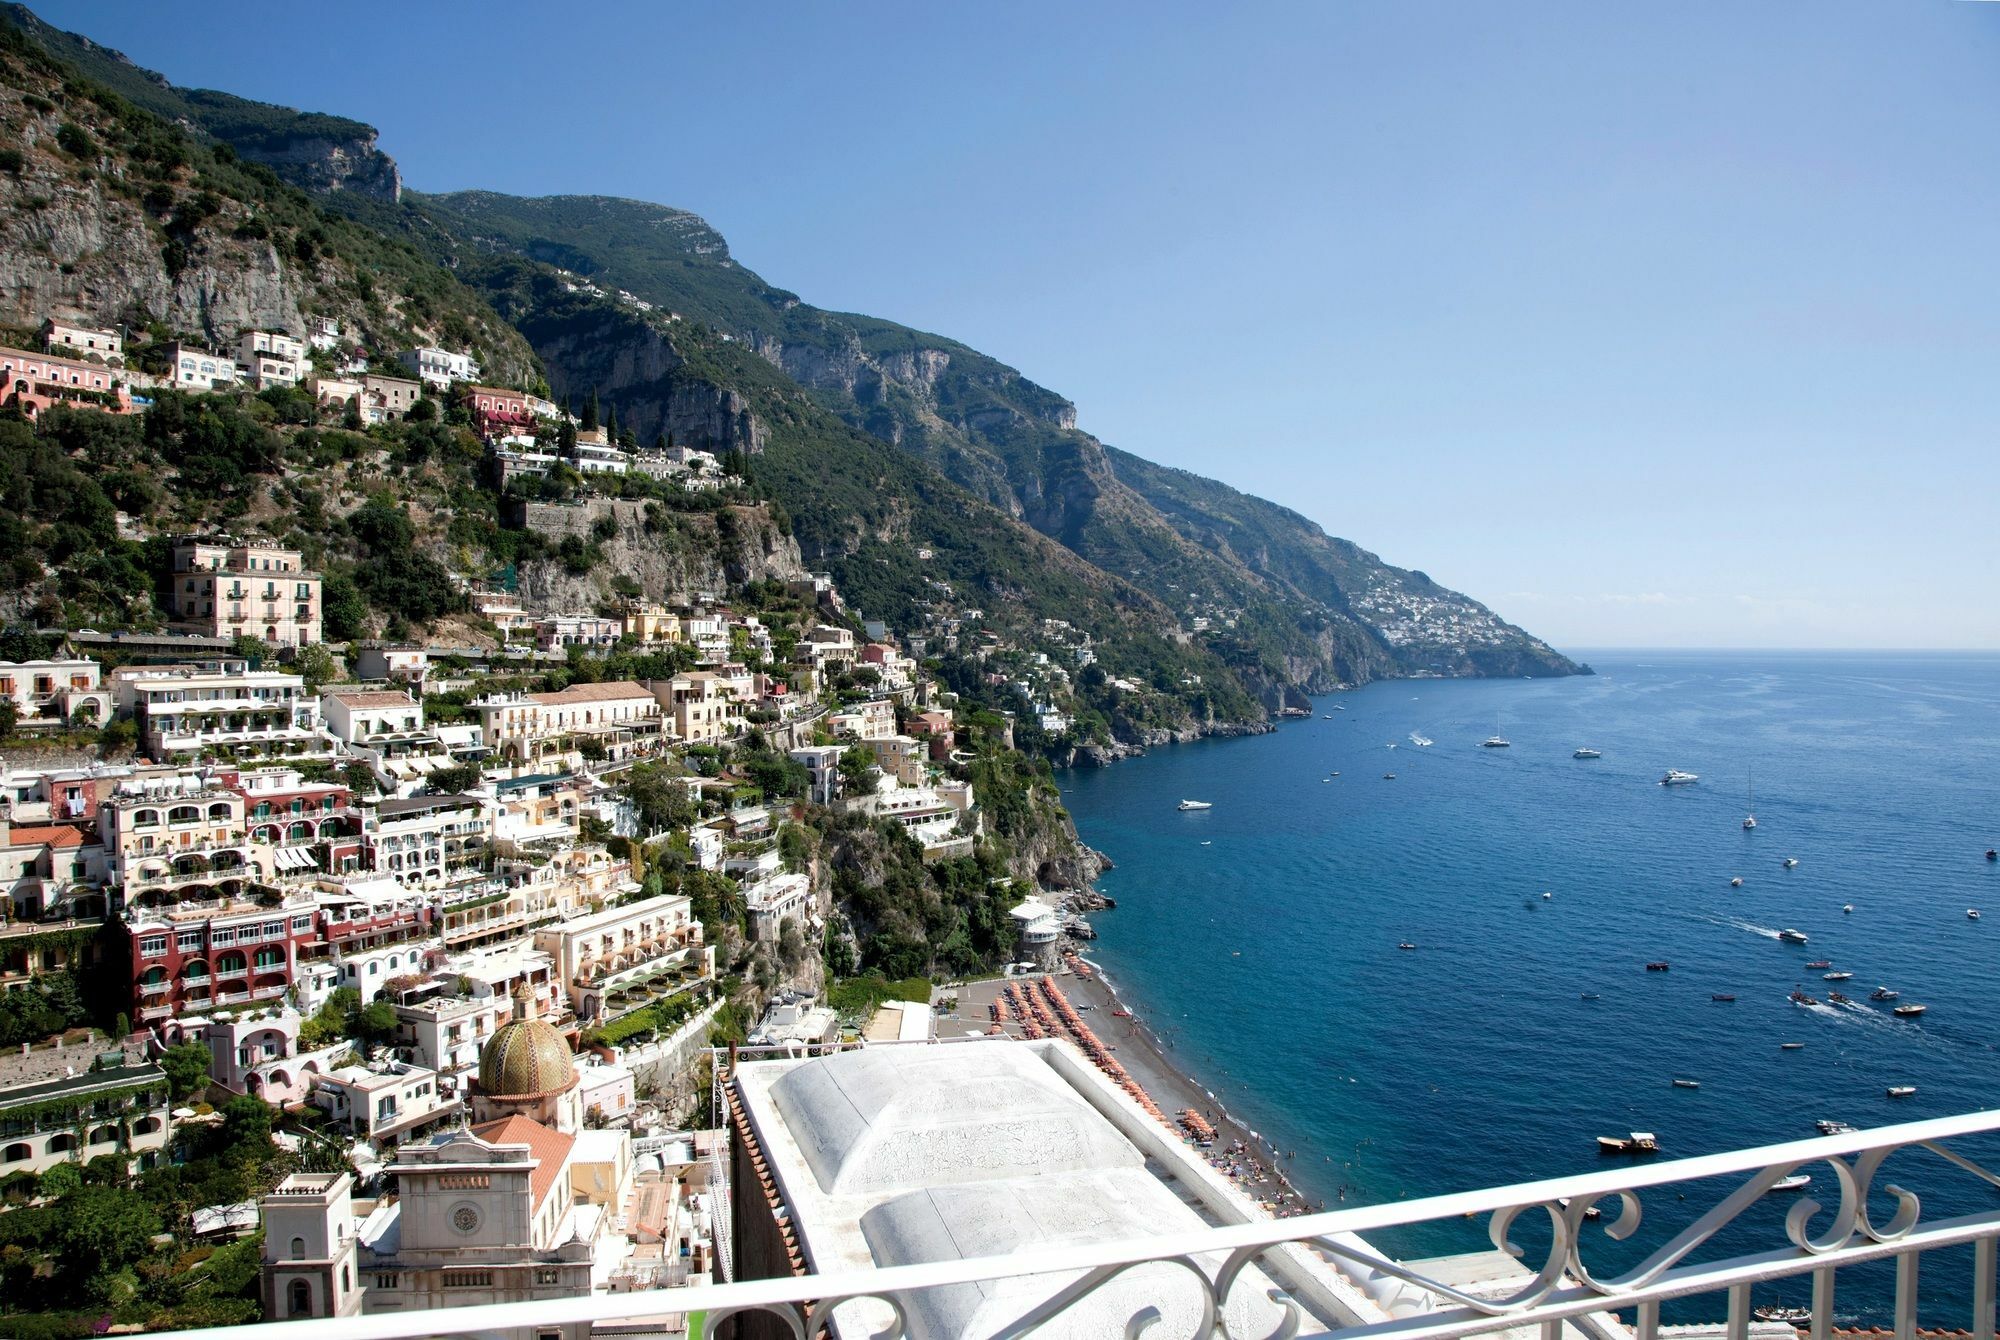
(1268, 957)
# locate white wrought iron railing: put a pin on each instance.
(1561, 1279)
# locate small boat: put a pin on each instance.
(1675, 777)
(1195, 805)
(1687, 1084)
(1972, 913)
(1902, 1090)
(1546, 895)
(1791, 1046)
(1796, 1182)
(1591, 995)
(1495, 742)
(1421, 741)
(1791, 862)
(1724, 997)
(1799, 997)
(1835, 998)
(1638, 1142)
(1883, 993)
(1820, 963)
(1750, 807)
(1206, 842)
(1736, 883)
(1586, 753)
(1837, 977)
(1908, 1011)
(1406, 945)
(1827, 1126)
(1992, 854)
(1847, 908)
(1791, 936)
(1660, 966)
(1791, 1316)
(1388, 776)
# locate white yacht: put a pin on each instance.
(1196, 805)
(1675, 777)
(1420, 740)
(1495, 742)
(1586, 753)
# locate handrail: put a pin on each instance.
(1558, 1286)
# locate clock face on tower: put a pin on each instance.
(465, 1219)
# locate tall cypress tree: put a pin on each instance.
(590, 411)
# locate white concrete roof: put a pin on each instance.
(901, 1153)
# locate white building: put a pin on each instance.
(268, 358)
(354, 715)
(655, 942)
(380, 1102)
(55, 692)
(773, 899)
(77, 1118)
(225, 708)
(194, 368)
(439, 367)
(427, 840)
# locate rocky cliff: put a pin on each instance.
(671, 555)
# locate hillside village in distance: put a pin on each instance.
(395, 905)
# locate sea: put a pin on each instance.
(1260, 938)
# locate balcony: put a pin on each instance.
(1196, 1282)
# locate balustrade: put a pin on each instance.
(1579, 1222)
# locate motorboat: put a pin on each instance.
(1638, 1142)
(1587, 753)
(1791, 1046)
(1195, 805)
(1820, 963)
(1406, 945)
(1835, 998)
(1736, 883)
(1790, 1316)
(1547, 896)
(1388, 776)
(1791, 863)
(1902, 1090)
(1908, 1011)
(1687, 1084)
(1883, 993)
(1847, 909)
(1591, 995)
(1828, 1126)
(1661, 966)
(1724, 997)
(1495, 742)
(1790, 936)
(1992, 854)
(1675, 777)
(1796, 1182)
(1838, 977)
(1799, 997)
(1972, 913)
(1421, 741)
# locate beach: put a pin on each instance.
(1238, 1150)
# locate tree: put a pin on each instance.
(318, 666)
(100, 1231)
(246, 1127)
(65, 1179)
(186, 1065)
(857, 770)
(590, 410)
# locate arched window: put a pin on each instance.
(298, 1249)
(270, 956)
(104, 1135)
(301, 1296)
(17, 1154)
(345, 1282)
(230, 964)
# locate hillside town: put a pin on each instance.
(438, 906)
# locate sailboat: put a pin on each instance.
(1750, 819)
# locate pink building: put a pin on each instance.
(34, 382)
(498, 410)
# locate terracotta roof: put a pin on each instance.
(372, 697)
(594, 693)
(550, 1148)
(45, 835)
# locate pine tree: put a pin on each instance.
(590, 411)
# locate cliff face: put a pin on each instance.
(321, 163)
(671, 555)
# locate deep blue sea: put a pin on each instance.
(1259, 938)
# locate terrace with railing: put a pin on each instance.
(1597, 1256)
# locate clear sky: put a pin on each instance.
(1647, 325)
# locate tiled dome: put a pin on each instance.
(525, 1058)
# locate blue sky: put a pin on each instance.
(1647, 325)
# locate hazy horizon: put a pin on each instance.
(1662, 327)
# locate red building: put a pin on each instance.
(34, 382)
(196, 957)
(309, 826)
(496, 410)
